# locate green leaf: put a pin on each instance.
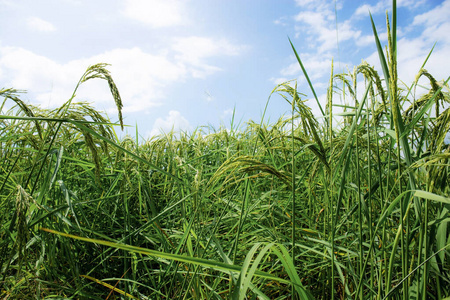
(431, 196)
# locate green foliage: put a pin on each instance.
(295, 209)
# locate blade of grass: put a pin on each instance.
(307, 78)
(215, 265)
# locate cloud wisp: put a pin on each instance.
(194, 51)
(156, 13)
(173, 121)
(38, 24)
(141, 76)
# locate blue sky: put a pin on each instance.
(190, 63)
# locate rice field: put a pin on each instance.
(352, 205)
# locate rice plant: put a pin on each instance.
(350, 206)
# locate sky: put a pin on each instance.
(190, 64)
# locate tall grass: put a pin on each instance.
(294, 209)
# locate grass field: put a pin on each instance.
(348, 206)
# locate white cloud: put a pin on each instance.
(8, 3)
(281, 21)
(37, 24)
(435, 16)
(141, 77)
(156, 13)
(365, 40)
(316, 67)
(369, 40)
(409, 3)
(23, 69)
(317, 4)
(383, 5)
(364, 9)
(291, 70)
(173, 121)
(436, 22)
(195, 50)
(320, 27)
(303, 2)
(278, 80)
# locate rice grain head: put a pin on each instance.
(22, 204)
